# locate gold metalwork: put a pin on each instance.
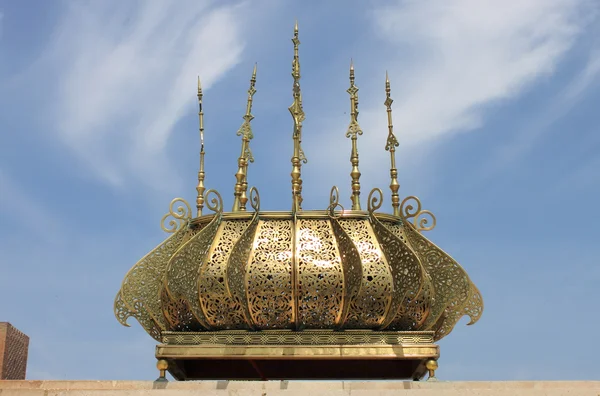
(297, 112)
(221, 309)
(369, 308)
(200, 188)
(455, 294)
(215, 203)
(418, 215)
(162, 366)
(407, 310)
(353, 131)
(177, 312)
(300, 352)
(238, 262)
(390, 146)
(269, 276)
(320, 277)
(180, 215)
(245, 131)
(140, 291)
(182, 277)
(298, 275)
(431, 366)
(351, 264)
(308, 337)
(374, 200)
(353, 270)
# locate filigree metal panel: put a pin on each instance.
(354, 270)
(454, 291)
(369, 308)
(182, 277)
(221, 310)
(301, 269)
(406, 311)
(351, 266)
(269, 277)
(320, 275)
(237, 267)
(309, 337)
(140, 294)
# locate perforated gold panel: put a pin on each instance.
(221, 310)
(177, 311)
(237, 267)
(269, 276)
(454, 291)
(309, 337)
(140, 294)
(351, 266)
(407, 312)
(277, 271)
(320, 277)
(180, 290)
(368, 309)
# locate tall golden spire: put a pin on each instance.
(245, 131)
(200, 188)
(353, 132)
(298, 115)
(390, 146)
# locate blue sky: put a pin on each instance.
(495, 110)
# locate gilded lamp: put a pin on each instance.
(258, 294)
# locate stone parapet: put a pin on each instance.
(298, 388)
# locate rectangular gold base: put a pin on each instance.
(395, 355)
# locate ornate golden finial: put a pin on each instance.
(298, 115)
(390, 146)
(200, 188)
(245, 131)
(353, 132)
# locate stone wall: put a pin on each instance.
(13, 352)
(299, 388)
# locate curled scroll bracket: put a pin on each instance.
(375, 200)
(255, 199)
(421, 218)
(334, 201)
(180, 216)
(215, 203)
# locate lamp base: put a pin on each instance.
(298, 355)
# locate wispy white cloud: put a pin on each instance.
(449, 60)
(588, 75)
(126, 74)
(465, 54)
(534, 129)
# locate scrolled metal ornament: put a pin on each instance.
(374, 202)
(303, 158)
(408, 211)
(334, 201)
(421, 222)
(255, 199)
(181, 215)
(420, 218)
(215, 203)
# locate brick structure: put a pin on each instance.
(13, 352)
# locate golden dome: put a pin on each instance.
(331, 269)
(328, 269)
